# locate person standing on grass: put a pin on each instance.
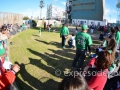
(44, 25)
(64, 32)
(83, 41)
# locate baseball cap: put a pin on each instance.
(2, 50)
(84, 27)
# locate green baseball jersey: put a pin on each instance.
(83, 40)
(64, 31)
(117, 37)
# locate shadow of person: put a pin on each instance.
(54, 60)
(41, 41)
(22, 85)
(36, 62)
(32, 81)
(35, 35)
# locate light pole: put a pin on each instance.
(110, 18)
(41, 6)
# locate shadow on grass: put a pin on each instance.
(57, 61)
(58, 45)
(35, 35)
(32, 81)
(42, 41)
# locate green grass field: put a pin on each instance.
(39, 58)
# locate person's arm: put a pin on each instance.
(91, 62)
(7, 79)
(67, 31)
(89, 49)
(60, 32)
(89, 42)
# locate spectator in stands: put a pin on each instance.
(105, 30)
(112, 33)
(111, 36)
(91, 28)
(64, 32)
(101, 37)
(23, 26)
(101, 63)
(76, 30)
(117, 37)
(5, 36)
(73, 82)
(7, 77)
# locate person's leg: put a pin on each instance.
(82, 58)
(62, 40)
(76, 58)
(44, 27)
(70, 44)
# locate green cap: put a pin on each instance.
(2, 50)
(85, 27)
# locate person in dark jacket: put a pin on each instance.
(44, 25)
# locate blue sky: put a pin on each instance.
(31, 7)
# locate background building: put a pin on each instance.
(53, 12)
(86, 9)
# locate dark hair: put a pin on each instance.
(76, 28)
(112, 30)
(117, 28)
(73, 34)
(73, 83)
(4, 27)
(111, 45)
(104, 60)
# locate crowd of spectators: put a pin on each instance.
(7, 69)
(100, 70)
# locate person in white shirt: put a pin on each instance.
(76, 30)
(71, 41)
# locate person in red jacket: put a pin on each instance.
(101, 63)
(7, 75)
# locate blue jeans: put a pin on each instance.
(49, 29)
(79, 57)
(63, 40)
(70, 43)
